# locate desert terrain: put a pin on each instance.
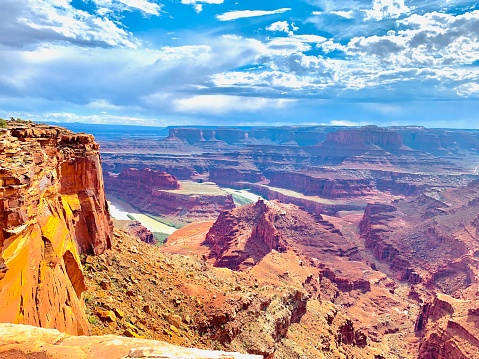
(305, 242)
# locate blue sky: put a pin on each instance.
(221, 62)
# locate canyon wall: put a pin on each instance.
(161, 194)
(52, 210)
(311, 185)
(448, 329)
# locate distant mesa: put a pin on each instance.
(147, 178)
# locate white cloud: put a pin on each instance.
(386, 9)
(198, 4)
(346, 123)
(144, 6)
(40, 21)
(222, 104)
(282, 26)
(309, 38)
(467, 90)
(234, 15)
(293, 43)
(346, 14)
(104, 105)
(193, 2)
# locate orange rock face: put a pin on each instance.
(52, 209)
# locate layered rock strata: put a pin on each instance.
(52, 210)
(449, 329)
(161, 194)
(243, 236)
(424, 239)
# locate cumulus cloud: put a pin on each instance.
(115, 78)
(240, 14)
(29, 22)
(55, 56)
(282, 26)
(386, 9)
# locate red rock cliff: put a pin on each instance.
(366, 136)
(52, 209)
(241, 237)
(148, 179)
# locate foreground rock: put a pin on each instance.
(22, 341)
(52, 209)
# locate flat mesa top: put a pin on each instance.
(192, 187)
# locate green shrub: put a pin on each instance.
(160, 237)
(3, 123)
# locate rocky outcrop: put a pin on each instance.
(52, 210)
(374, 229)
(241, 237)
(448, 329)
(22, 341)
(345, 284)
(263, 236)
(136, 229)
(348, 335)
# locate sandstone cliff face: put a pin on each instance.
(427, 240)
(231, 176)
(260, 239)
(52, 209)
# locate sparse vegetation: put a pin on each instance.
(171, 223)
(160, 237)
(93, 320)
(19, 120)
(240, 200)
(3, 123)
